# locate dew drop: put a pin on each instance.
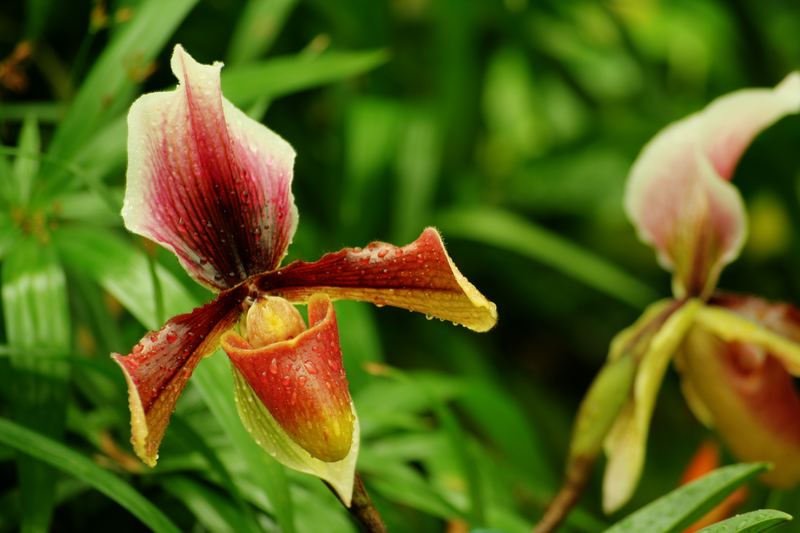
(273, 367)
(172, 337)
(310, 367)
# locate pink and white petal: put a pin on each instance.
(677, 193)
(206, 181)
(420, 277)
(302, 382)
(751, 400)
(731, 122)
(694, 219)
(159, 366)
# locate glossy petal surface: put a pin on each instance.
(420, 277)
(159, 366)
(302, 382)
(206, 181)
(678, 196)
(269, 434)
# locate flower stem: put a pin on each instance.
(362, 509)
(568, 495)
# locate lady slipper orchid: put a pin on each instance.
(214, 187)
(737, 355)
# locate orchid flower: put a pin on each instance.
(214, 187)
(736, 355)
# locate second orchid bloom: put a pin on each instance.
(214, 187)
(736, 354)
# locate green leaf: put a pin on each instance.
(752, 522)
(372, 130)
(495, 227)
(36, 13)
(403, 484)
(37, 323)
(418, 159)
(26, 165)
(138, 42)
(59, 456)
(259, 24)
(125, 273)
(682, 507)
(122, 270)
(213, 377)
(213, 511)
(9, 231)
(196, 441)
(284, 75)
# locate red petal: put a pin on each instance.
(419, 277)
(206, 181)
(302, 382)
(159, 366)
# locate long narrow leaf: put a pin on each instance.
(59, 456)
(37, 322)
(153, 23)
(276, 77)
(259, 24)
(752, 522)
(125, 273)
(681, 507)
(504, 230)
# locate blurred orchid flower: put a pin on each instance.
(736, 354)
(214, 187)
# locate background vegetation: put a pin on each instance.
(510, 125)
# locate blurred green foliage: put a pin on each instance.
(509, 124)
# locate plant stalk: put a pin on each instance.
(362, 509)
(568, 495)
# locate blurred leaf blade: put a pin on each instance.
(37, 322)
(59, 456)
(125, 273)
(152, 25)
(502, 229)
(26, 164)
(276, 77)
(258, 26)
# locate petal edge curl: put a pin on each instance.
(419, 277)
(157, 369)
(678, 195)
